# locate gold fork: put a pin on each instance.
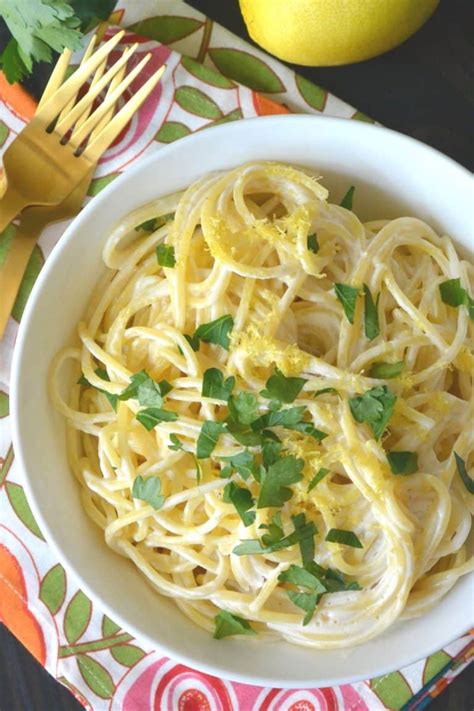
(34, 219)
(56, 149)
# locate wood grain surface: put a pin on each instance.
(423, 88)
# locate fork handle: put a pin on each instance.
(11, 204)
(14, 266)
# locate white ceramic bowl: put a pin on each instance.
(393, 175)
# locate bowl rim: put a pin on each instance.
(15, 411)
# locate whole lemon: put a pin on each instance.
(328, 32)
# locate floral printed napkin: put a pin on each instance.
(212, 77)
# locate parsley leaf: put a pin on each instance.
(243, 463)
(275, 530)
(306, 544)
(148, 490)
(371, 317)
(347, 538)
(312, 243)
(243, 408)
(216, 331)
(307, 602)
(242, 500)
(281, 388)
(319, 476)
(214, 385)
(255, 547)
(462, 471)
(453, 294)
(347, 295)
(386, 371)
(227, 624)
(403, 462)
(156, 222)
(152, 416)
(308, 429)
(144, 389)
(208, 437)
(325, 391)
(274, 489)
(176, 445)
(348, 198)
(193, 341)
(101, 373)
(302, 578)
(270, 452)
(375, 407)
(288, 418)
(12, 64)
(165, 255)
(37, 27)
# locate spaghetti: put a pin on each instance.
(273, 419)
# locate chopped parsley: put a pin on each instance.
(155, 222)
(306, 544)
(148, 392)
(227, 624)
(152, 416)
(347, 538)
(148, 490)
(281, 388)
(348, 198)
(462, 471)
(316, 582)
(208, 437)
(274, 485)
(403, 462)
(165, 255)
(101, 373)
(453, 294)
(319, 476)
(243, 463)
(326, 391)
(193, 341)
(242, 500)
(312, 243)
(214, 385)
(347, 295)
(371, 317)
(216, 332)
(385, 371)
(375, 407)
(256, 547)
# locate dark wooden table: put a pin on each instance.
(423, 88)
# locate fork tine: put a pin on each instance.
(85, 57)
(98, 145)
(71, 86)
(108, 115)
(80, 134)
(85, 103)
(56, 78)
